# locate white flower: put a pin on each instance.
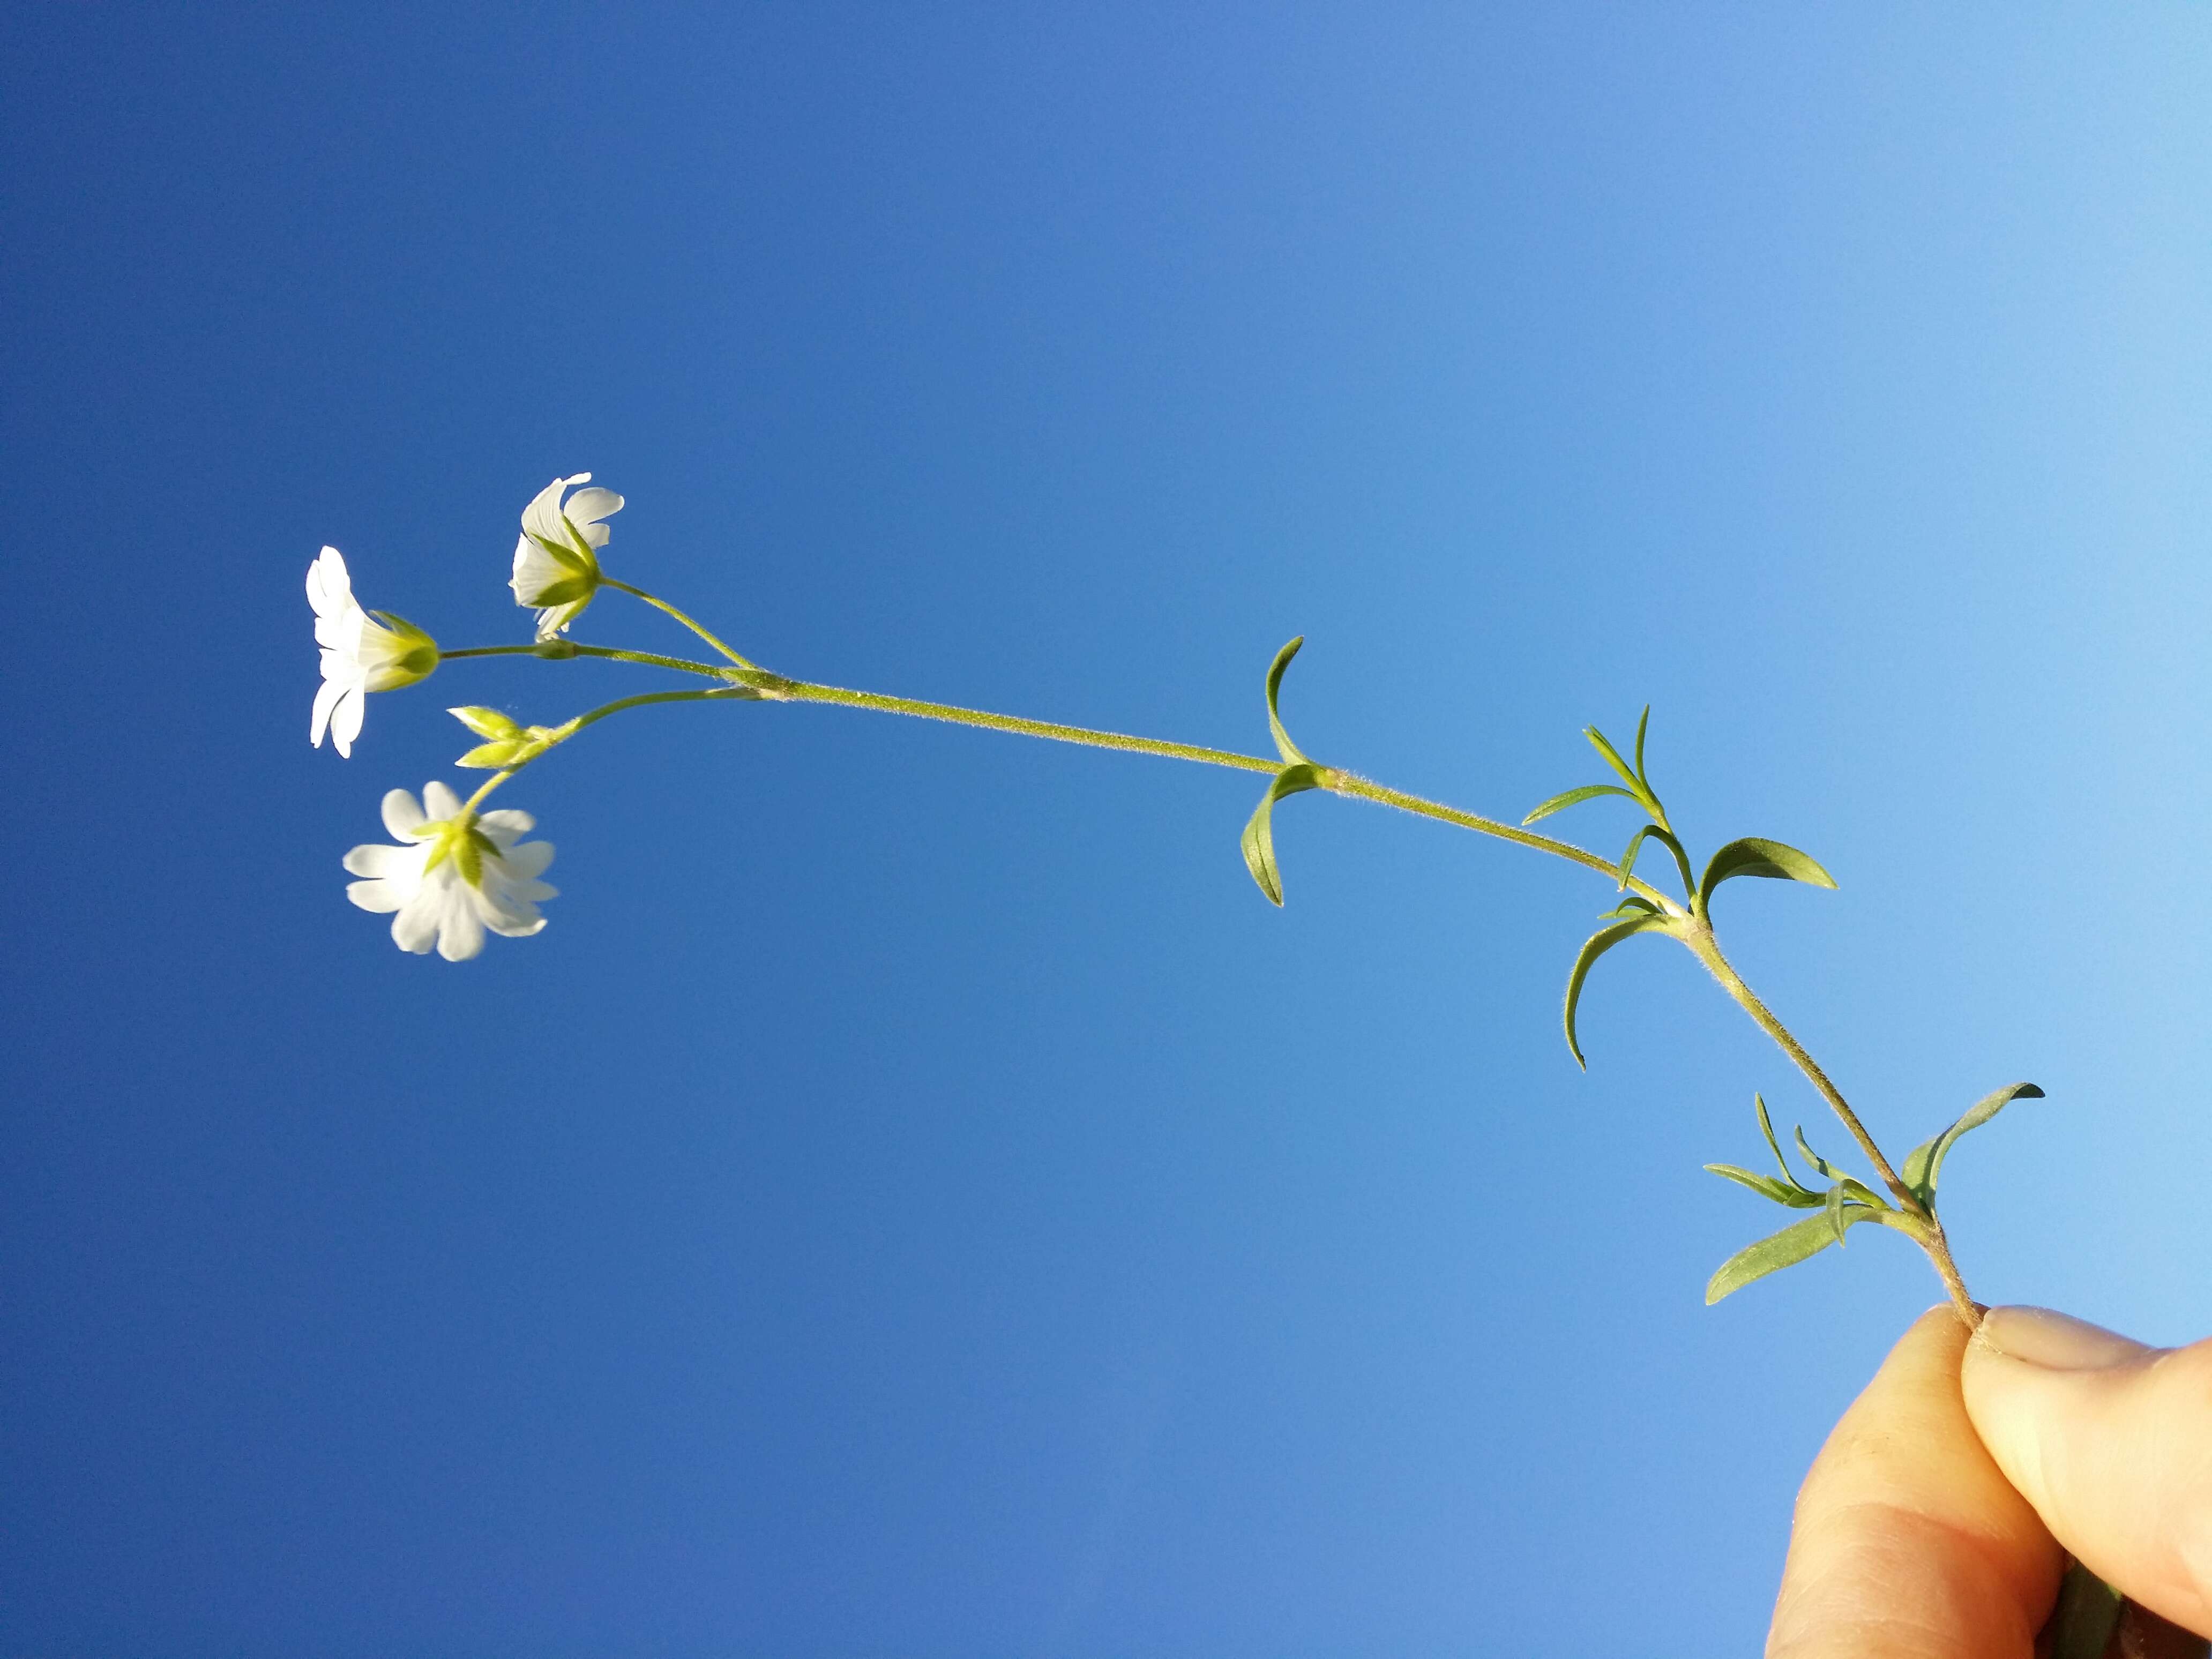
(557, 566)
(461, 874)
(361, 652)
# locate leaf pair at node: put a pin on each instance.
(1847, 1202)
(1298, 775)
(1843, 1203)
(1647, 911)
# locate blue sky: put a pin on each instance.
(916, 1197)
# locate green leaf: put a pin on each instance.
(1613, 759)
(1665, 838)
(1819, 1164)
(1924, 1163)
(1643, 720)
(1259, 838)
(1786, 1248)
(1575, 798)
(1782, 1192)
(1833, 1210)
(485, 722)
(1593, 947)
(1754, 856)
(1289, 750)
(1634, 905)
(1766, 1128)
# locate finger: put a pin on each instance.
(2111, 1442)
(1909, 1543)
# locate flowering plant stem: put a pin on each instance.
(1686, 922)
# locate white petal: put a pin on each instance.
(505, 824)
(402, 817)
(330, 589)
(528, 861)
(461, 930)
(439, 801)
(414, 929)
(556, 620)
(535, 570)
(346, 719)
(326, 696)
(542, 516)
(587, 506)
(373, 858)
(381, 897)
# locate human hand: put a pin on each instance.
(1930, 1526)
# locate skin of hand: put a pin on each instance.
(1920, 1532)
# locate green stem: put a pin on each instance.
(557, 649)
(1925, 1227)
(663, 604)
(1913, 1216)
(724, 693)
(1339, 782)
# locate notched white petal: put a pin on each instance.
(438, 800)
(527, 860)
(379, 897)
(402, 816)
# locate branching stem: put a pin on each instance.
(1694, 930)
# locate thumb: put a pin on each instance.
(2111, 1442)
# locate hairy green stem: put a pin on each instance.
(663, 604)
(1913, 1216)
(1926, 1228)
(558, 649)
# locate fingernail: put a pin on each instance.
(2055, 1341)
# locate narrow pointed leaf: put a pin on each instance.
(1289, 751)
(1834, 1210)
(1643, 721)
(1782, 1192)
(1611, 757)
(1665, 838)
(1924, 1163)
(1766, 1128)
(1755, 856)
(1786, 1248)
(1593, 947)
(1821, 1164)
(1259, 838)
(1634, 905)
(1560, 803)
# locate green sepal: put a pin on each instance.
(1560, 803)
(486, 722)
(1593, 947)
(1755, 856)
(1924, 1163)
(1792, 1244)
(1787, 1193)
(1292, 754)
(490, 757)
(1258, 841)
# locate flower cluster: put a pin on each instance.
(459, 873)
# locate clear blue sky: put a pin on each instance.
(915, 1197)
